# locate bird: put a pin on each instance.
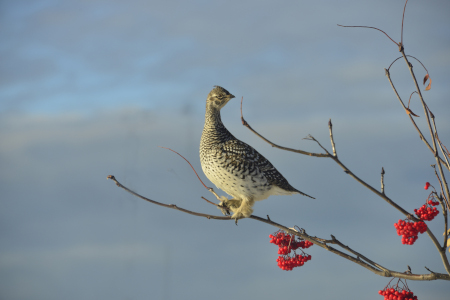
(234, 166)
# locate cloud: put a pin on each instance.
(88, 55)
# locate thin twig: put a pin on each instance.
(444, 204)
(209, 201)
(225, 210)
(188, 163)
(409, 101)
(373, 28)
(393, 62)
(208, 188)
(278, 146)
(403, 18)
(311, 138)
(382, 180)
(444, 153)
(333, 145)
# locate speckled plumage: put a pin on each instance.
(235, 167)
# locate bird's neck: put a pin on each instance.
(214, 126)
(212, 117)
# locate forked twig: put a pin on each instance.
(422, 137)
(432, 131)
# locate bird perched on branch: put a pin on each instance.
(235, 167)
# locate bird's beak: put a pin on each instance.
(231, 97)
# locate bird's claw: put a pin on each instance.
(223, 206)
(225, 211)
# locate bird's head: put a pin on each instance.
(218, 97)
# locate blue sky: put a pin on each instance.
(91, 88)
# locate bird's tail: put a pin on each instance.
(305, 194)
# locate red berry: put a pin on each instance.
(286, 244)
(427, 185)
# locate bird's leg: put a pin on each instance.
(226, 205)
(241, 208)
(223, 206)
(233, 204)
(244, 210)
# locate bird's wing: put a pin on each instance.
(240, 155)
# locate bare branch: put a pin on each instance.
(432, 133)
(368, 264)
(382, 180)
(387, 199)
(433, 148)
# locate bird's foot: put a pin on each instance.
(225, 211)
(236, 216)
(227, 205)
(242, 210)
(223, 206)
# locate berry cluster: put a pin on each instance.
(399, 291)
(409, 230)
(287, 263)
(392, 294)
(426, 212)
(287, 243)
